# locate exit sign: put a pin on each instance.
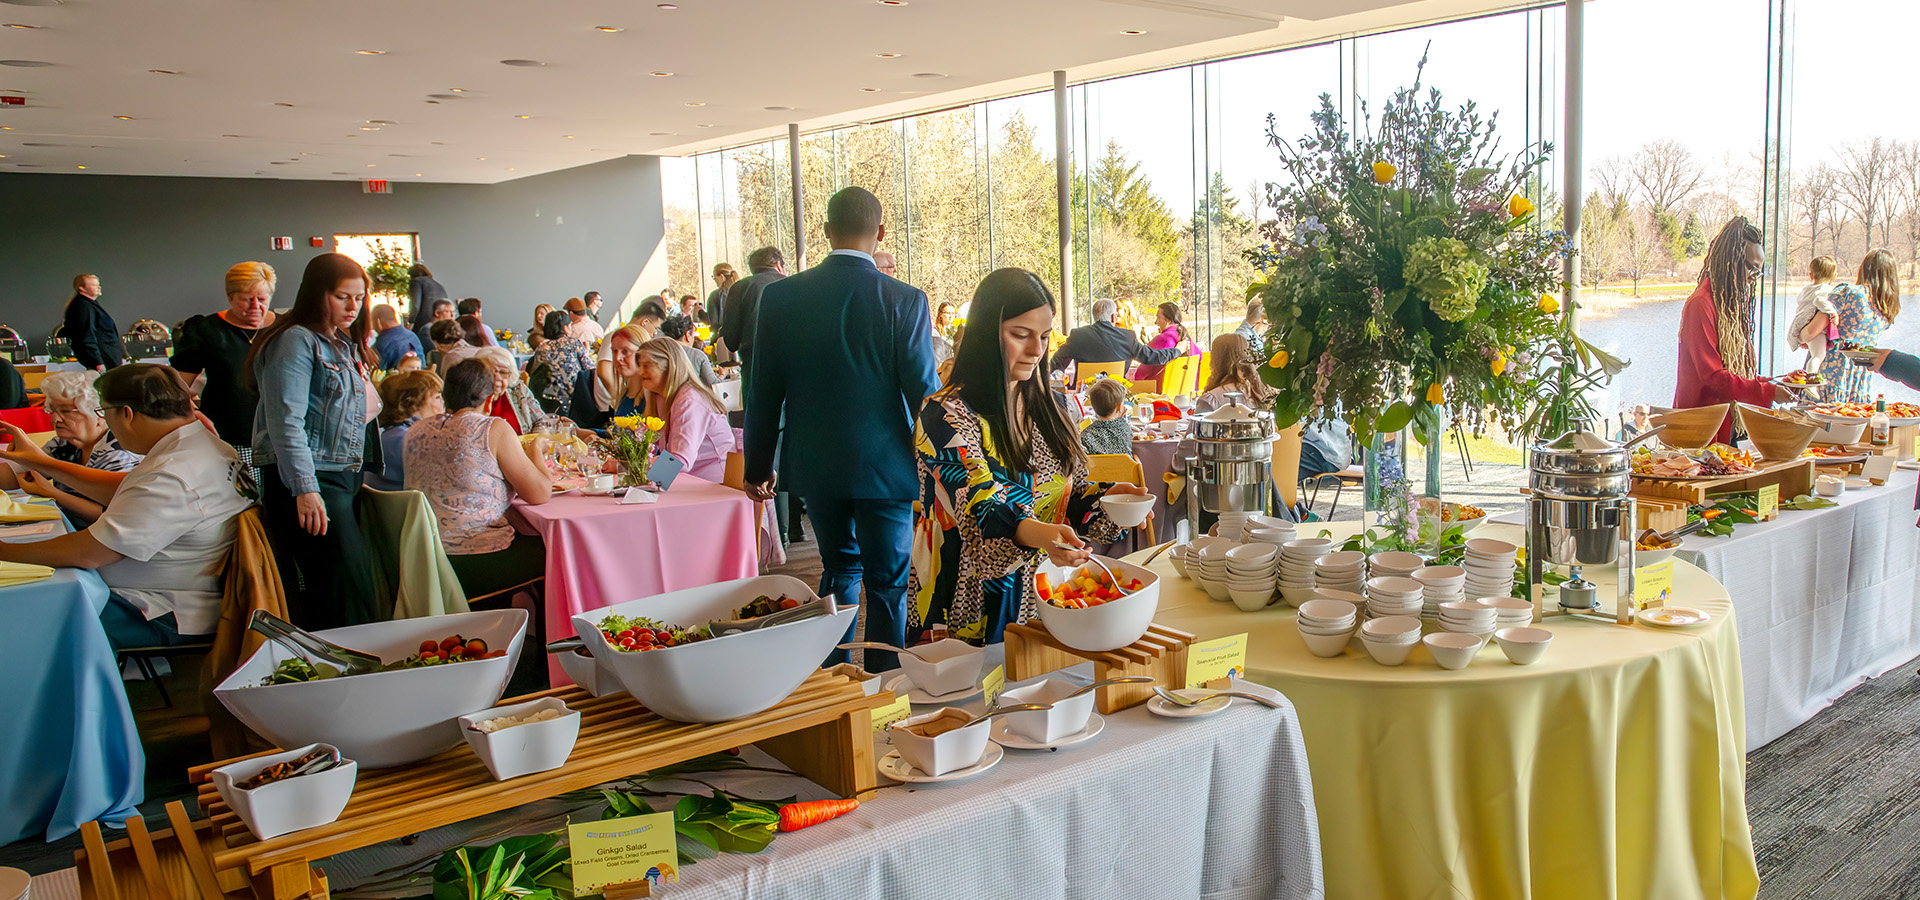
(13, 101)
(376, 186)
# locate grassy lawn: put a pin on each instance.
(1484, 450)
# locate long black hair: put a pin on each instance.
(324, 273)
(980, 372)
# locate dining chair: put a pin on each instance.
(1202, 371)
(1177, 377)
(1121, 467)
(735, 476)
(1085, 373)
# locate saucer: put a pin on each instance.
(1673, 617)
(918, 697)
(1007, 737)
(897, 769)
(1160, 707)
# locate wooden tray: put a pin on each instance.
(1658, 513)
(1794, 476)
(823, 731)
(1160, 653)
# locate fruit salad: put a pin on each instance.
(1089, 586)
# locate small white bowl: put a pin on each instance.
(1392, 586)
(1326, 645)
(1396, 559)
(1321, 608)
(1272, 536)
(1251, 600)
(1180, 563)
(290, 804)
(1310, 548)
(1218, 590)
(941, 753)
(1358, 600)
(1387, 653)
(1644, 558)
(1044, 726)
(1261, 556)
(1392, 628)
(1273, 522)
(1342, 559)
(1490, 547)
(955, 665)
(1294, 596)
(1432, 575)
(523, 749)
(1127, 510)
(1452, 651)
(1169, 427)
(1509, 606)
(1523, 646)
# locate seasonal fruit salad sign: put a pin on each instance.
(623, 851)
(1216, 659)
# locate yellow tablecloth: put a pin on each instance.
(1613, 768)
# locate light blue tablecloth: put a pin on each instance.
(72, 753)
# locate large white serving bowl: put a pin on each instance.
(721, 679)
(1113, 624)
(380, 719)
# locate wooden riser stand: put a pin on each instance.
(1161, 653)
(1795, 477)
(822, 731)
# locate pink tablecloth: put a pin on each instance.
(601, 552)
(31, 419)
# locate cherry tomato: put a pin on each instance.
(476, 648)
(429, 646)
(450, 643)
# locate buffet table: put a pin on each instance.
(601, 551)
(1615, 767)
(80, 759)
(1826, 598)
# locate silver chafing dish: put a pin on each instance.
(147, 339)
(58, 347)
(1232, 466)
(1580, 514)
(13, 345)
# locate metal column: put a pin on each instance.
(1063, 195)
(793, 175)
(1573, 188)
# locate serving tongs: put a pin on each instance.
(1667, 537)
(812, 609)
(311, 647)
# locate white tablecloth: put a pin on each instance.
(1218, 808)
(1825, 599)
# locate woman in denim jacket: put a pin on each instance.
(311, 367)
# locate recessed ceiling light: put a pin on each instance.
(25, 63)
(870, 90)
(379, 121)
(660, 74)
(416, 174)
(658, 133)
(124, 118)
(567, 136)
(1133, 32)
(523, 117)
(704, 125)
(888, 55)
(280, 162)
(370, 165)
(609, 29)
(19, 25)
(444, 96)
(893, 2)
(458, 90)
(230, 135)
(666, 6)
(369, 128)
(696, 104)
(929, 75)
(778, 108)
(371, 52)
(481, 158)
(341, 173)
(434, 102)
(523, 63)
(509, 168)
(79, 167)
(438, 143)
(289, 105)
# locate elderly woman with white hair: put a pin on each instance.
(512, 400)
(80, 437)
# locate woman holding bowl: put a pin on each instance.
(1003, 480)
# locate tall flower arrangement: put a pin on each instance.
(630, 441)
(1405, 274)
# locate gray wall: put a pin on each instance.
(162, 245)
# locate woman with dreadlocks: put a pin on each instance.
(1716, 328)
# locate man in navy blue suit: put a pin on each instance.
(843, 358)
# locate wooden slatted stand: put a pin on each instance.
(822, 731)
(1160, 653)
(1794, 476)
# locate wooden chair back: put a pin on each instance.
(1178, 377)
(1116, 468)
(735, 476)
(1202, 371)
(1084, 373)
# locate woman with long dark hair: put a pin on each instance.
(1003, 481)
(1172, 334)
(1717, 356)
(311, 368)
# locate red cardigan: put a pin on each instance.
(1702, 379)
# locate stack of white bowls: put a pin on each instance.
(1326, 625)
(1512, 612)
(1391, 639)
(1251, 569)
(1296, 568)
(1393, 595)
(1341, 570)
(1469, 617)
(1392, 563)
(1489, 564)
(1233, 525)
(1209, 566)
(1440, 584)
(1270, 534)
(1178, 553)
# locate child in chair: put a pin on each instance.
(1109, 431)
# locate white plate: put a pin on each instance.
(1656, 615)
(1160, 707)
(1908, 464)
(1007, 737)
(897, 769)
(918, 697)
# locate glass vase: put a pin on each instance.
(633, 472)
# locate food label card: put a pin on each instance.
(1222, 658)
(1769, 503)
(623, 851)
(1653, 585)
(1878, 468)
(893, 712)
(995, 682)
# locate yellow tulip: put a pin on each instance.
(1435, 394)
(1499, 364)
(1383, 172)
(1279, 360)
(1519, 206)
(655, 424)
(627, 422)
(1549, 304)
(1507, 350)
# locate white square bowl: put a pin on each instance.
(380, 719)
(942, 753)
(721, 679)
(1113, 624)
(523, 749)
(1044, 726)
(290, 804)
(944, 666)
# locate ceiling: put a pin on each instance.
(417, 90)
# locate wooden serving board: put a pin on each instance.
(1160, 653)
(1657, 513)
(823, 731)
(1794, 476)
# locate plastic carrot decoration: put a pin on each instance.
(795, 816)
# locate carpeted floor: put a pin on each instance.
(1835, 804)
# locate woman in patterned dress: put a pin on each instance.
(1003, 481)
(1865, 310)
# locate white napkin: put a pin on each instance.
(636, 495)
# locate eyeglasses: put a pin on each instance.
(101, 412)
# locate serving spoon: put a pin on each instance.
(872, 645)
(1103, 567)
(1178, 700)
